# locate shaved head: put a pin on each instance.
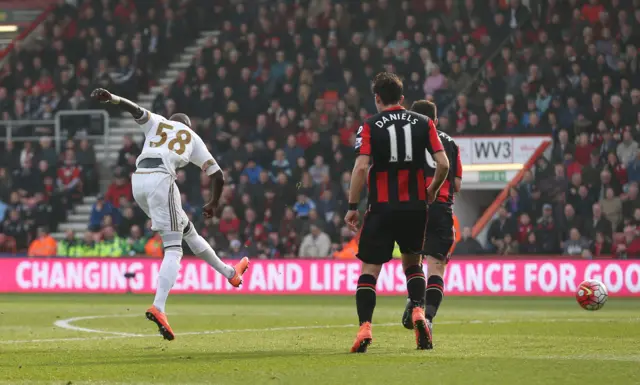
(181, 118)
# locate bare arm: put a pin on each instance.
(104, 96)
(217, 183)
(442, 162)
(458, 166)
(358, 177)
(442, 170)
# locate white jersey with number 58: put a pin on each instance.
(175, 143)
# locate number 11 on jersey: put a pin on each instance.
(408, 146)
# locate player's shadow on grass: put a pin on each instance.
(163, 356)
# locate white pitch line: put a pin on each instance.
(66, 324)
(108, 335)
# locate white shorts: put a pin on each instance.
(157, 194)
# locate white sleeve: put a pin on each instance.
(149, 120)
(202, 158)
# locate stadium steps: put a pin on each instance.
(106, 154)
(77, 220)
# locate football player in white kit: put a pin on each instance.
(171, 144)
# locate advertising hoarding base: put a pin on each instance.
(310, 277)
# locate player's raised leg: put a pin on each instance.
(203, 250)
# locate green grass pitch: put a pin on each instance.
(70, 339)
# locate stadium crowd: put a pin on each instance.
(279, 94)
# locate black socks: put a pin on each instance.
(434, 295)
(366, 297)
(416, 284)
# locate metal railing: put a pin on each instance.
(63, 126)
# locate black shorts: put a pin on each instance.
(440, 232)
(382, 229)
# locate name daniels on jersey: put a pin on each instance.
(386, 119)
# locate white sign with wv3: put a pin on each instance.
(498, 149)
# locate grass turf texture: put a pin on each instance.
(305, 340)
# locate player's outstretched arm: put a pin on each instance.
(104, 96)
(217, 183)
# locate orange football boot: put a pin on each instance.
(422, 328)
(363, 339)
(160, 319)
(240, 269)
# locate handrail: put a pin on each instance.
(56, 122)
(495, 205)
(27, 31)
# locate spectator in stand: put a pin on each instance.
(601, 248)
(316, 244)
(611, 206)
(17, 228)
(628, 246)
(229, 222)
(576, 244)
(136, 242)
(111, 245)
(498, 228)
(303, 206)
(467, 244)
(99, 211)
(86, 158)
(546, 231)
(616, 169)
(627, 149)
(127, 221)
(129, 150)
(43, 245)
(599, 223)
(7, 244)
(531, 245)
(507, 246)
(69, 180)
(606, 181)
(635, 221)
(153, 247)
(571, 221)
(524, 228)
(582, 150)
(633, 169)
(46, 151)
(69, 246)
(90, 245)
(237, 251)
(631, 201)
(119, 188)
(591, 172)
(513, 204)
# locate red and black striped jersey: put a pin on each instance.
(398, 142)
(448, 189)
